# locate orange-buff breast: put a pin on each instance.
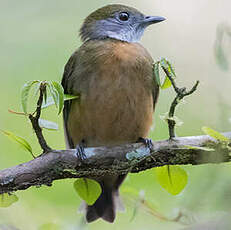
(117, 90)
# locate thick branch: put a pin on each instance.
(60, 164)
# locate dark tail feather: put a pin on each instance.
(104, 207)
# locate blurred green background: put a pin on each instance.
(36, 40)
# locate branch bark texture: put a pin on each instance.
(133, 158)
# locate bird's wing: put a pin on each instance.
(68, 70)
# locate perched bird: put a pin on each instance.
(113, 75)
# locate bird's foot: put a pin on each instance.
(147, 142)
(80, 152)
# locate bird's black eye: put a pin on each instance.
(124, 16)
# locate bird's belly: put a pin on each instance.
(112, 115)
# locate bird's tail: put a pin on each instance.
(106, 205)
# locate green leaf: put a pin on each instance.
(36, 89)
(7, 200)
(89, 190)
(51, 102)
(60, 91)
(168, 67)
(171, 69)
(70, 97)
(19, 140)
(214, 134)
(49, 226)
(57, 93)
(167, 83)
(156, 72)
(25, 93)
(172, 178)
(50, 125)
(54, 94)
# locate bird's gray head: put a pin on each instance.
(116, 21)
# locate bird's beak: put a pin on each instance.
(148, 20)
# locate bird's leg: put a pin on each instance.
(147, 142)
(80, 152)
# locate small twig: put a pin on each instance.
(35, 121)
(181, 93)
(14, 112)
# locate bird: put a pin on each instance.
(112, 73)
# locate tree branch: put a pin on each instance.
(60, 164)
